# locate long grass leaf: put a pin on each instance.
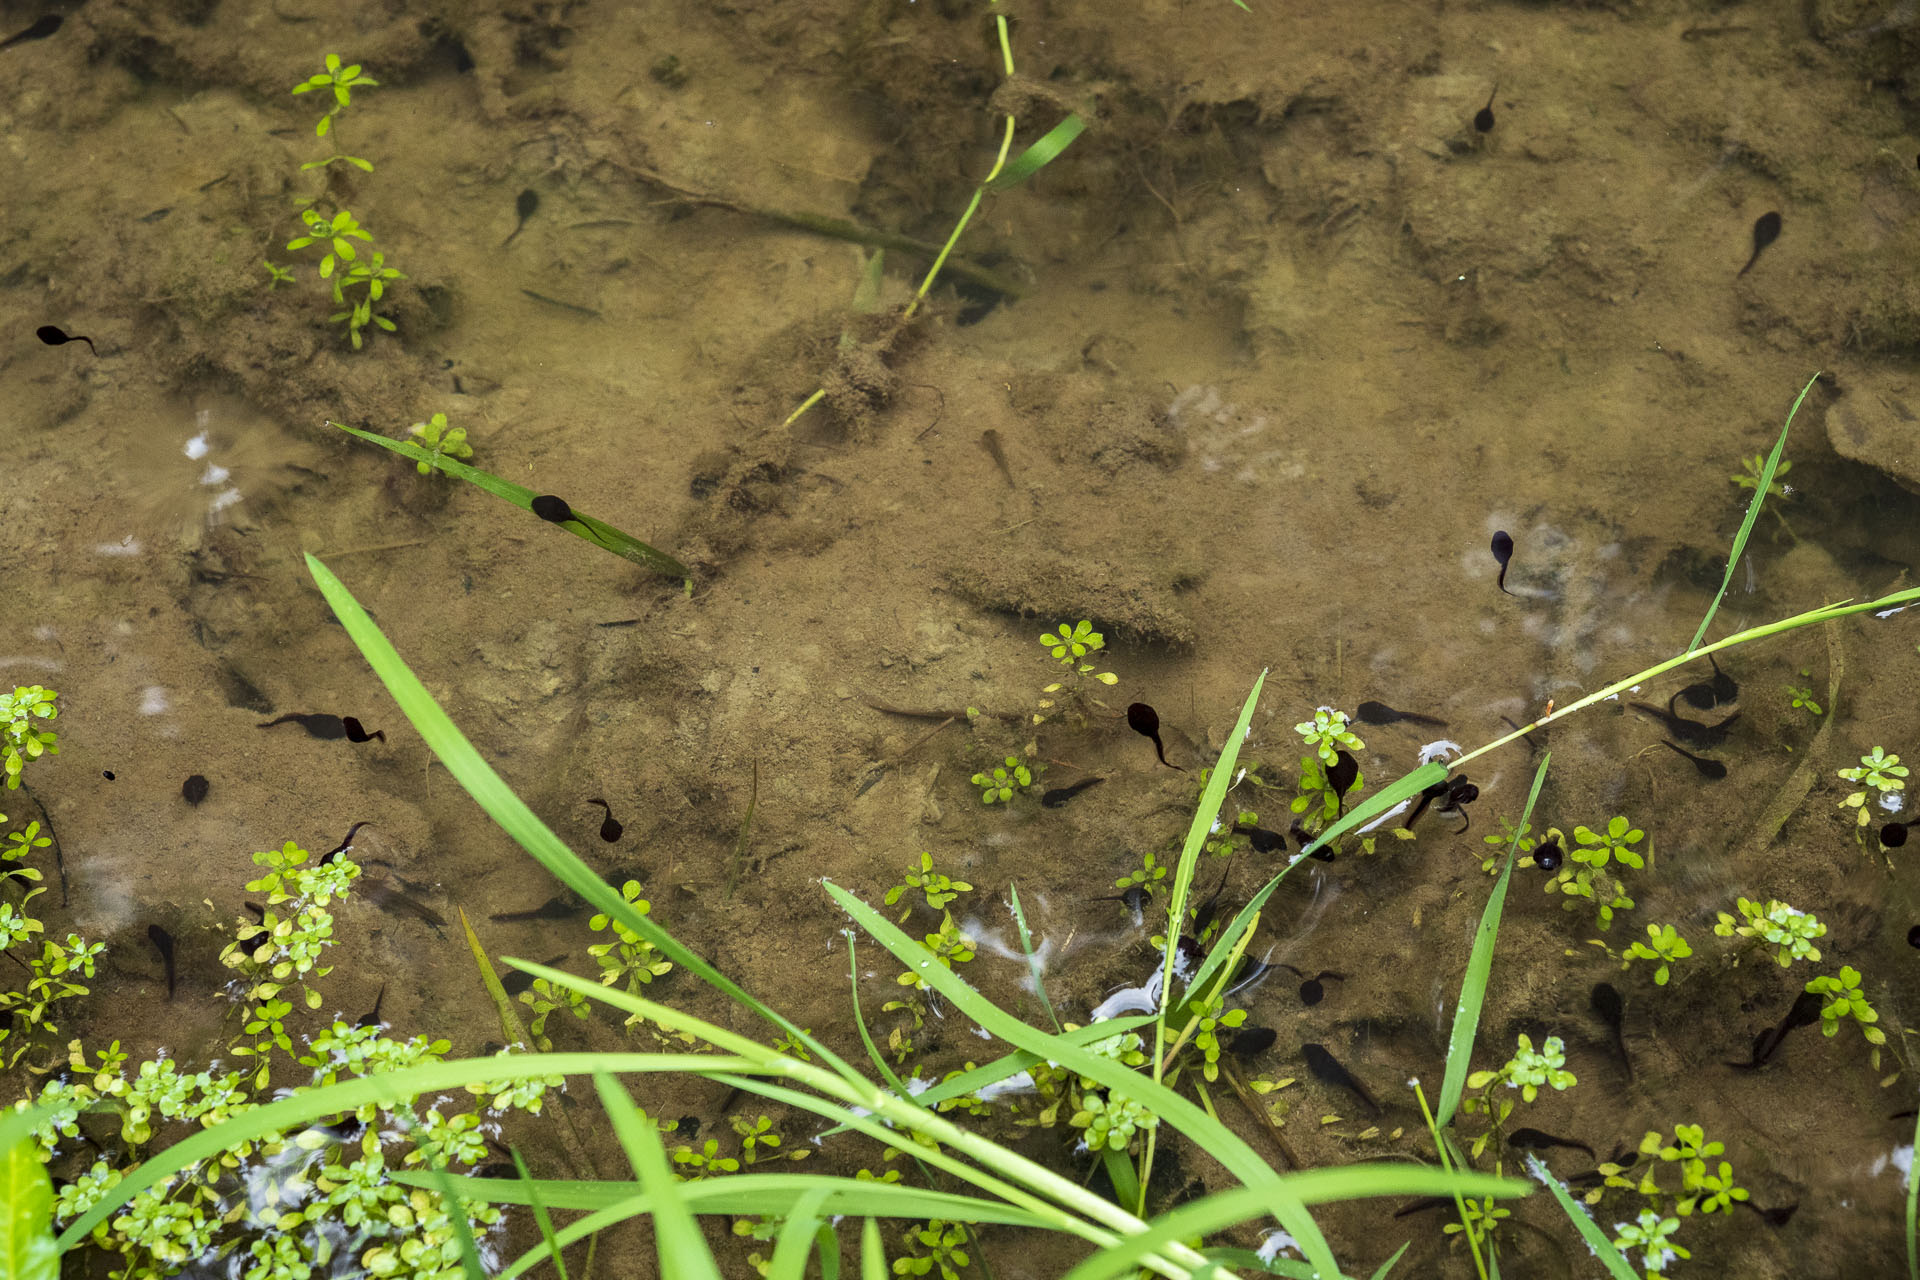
(873, 1254)
(462, 1230)
(1596, 1240)
(598, 532)
(683, 1250)
(27, 1250)
(1045, 149)
(1753, 513)
(1249, 1260)
(1026, 946)
(1473, 988)
(511, 1027)
(1314, 1186)
(513, 816)
(1380, 1273)
(1913, 1211)
(795, 1242)
(541, 1217)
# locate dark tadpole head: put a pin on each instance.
(1312, 992)
(1913, 936)
(1606, 1002)
(357, 732)
(551, 509)
(1766, 229)
(1549, 856)
(1343, 773)
(1893, 835)
(54, 336)
(1143, 719)
(1483, 118)
(1503, 553)
(1252, 1041)
(194, 789)
(1375, 713)
(525, 203)
(610, 830)
(1265, 841)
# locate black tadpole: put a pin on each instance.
(551, 509)
(1328, 1070)
(1612, 1010)
(523, 206)
(1705, 695)
(1503, 552)
(610, 830)
(371, 1018)
(1893, 835)
(1540, 1140)
(343, 846)
(1483, 118)
(1144, 720)
(40, 30)
(1058, 796)
(1341, 775)
(1766, 229)
(163, 943)
(357, 732)
(1381, 713)
(317, 724)
(1711, 770)
(1691, 732)
(52, 335)
(1549, 856)
(1804, 1012)
(1252, 1041)
(194, 789)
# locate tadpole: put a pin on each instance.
(1454, 795)
(1264, 841)
(1805, 1011)
(551, 509)
(194, 789)
(1381, 713)
(1607, 1004)
(1058, 796)
(1711, 770)
(42, 28)
(1483, 118)
(1541, 1140)
(1705, 695)
(1691, 732)
(356, 732)
(1341, 775)
(53, 335)
(1503, 552)
(1252, 1041)
(523, 206)
(1313, 990)
(1144, 720)
(1766, 229)
(1328, 1070)
(317, 725)
(371, 1018)
(343, 846)
(562, 906)
(1893, 835)
(610, 830)
(163, 943)
(1549, 856)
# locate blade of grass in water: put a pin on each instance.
(1026, 945)
(541, 1217)
(511, 1027)
(1597, 1240)
(683, 1250)
(790, 1251)
(1913, 1211)
(1473, 989)
(598, 532)
(1753, 513)
(513, 816)
(873, 1254)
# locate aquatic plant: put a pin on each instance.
(1068, 647)
(1664, 944)
(1803, 699)
(1789, 930)
(947, 946)
(1652, 1236)
(999, 785)
(435, 435)
(1327, 733)
(341, 81)
(937, 888)
(20, 741)
(1844, 999)
(1883, 774)
(1148, 876)
(1528, 1069)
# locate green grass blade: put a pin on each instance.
(1314, 1186)
(598, 532)
(1248, 1260)
(1596, 1240)
(541, 1217)
(1044, 151)
(1753, 513)
(1473, 988)
(457, 1214)
(27, 1250)
(873, 1254)
(879, 1060)
(827, 1246)
(511, 1027)
(1913, 1213)
(1380, 1273)
(683, 1250)
(1026, 945)
(512, 815)
(795, 1242)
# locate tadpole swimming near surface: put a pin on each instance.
(371, 1018)
(1058, 796)
(1549, 856)
(54, 336)
(317, 725)
(1483, 118)
(357, 732)
(1804, 1012)
(1263, 840)
(1893, 835)
(1252, 1041)
(42, 28)
(561, 906)
(343, 846)
(610, 830)
(1606, 1003)
(163, 943)
(1314, 990)
(1503, 552)
(551, 509)
(1711, 770)
(1381, 713)
(1691, 732)
(1541, 1140)
(1705, 695)
(1454, 795)
(1766, 229)
(1341, 775)
(523, 206)
(194, 789)
(1328, 1070)
(1144, 720)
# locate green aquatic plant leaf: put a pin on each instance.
(1044, 151)
(27, 1250)
(1473, 988)
(1596, 1240)
(1760, 488)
